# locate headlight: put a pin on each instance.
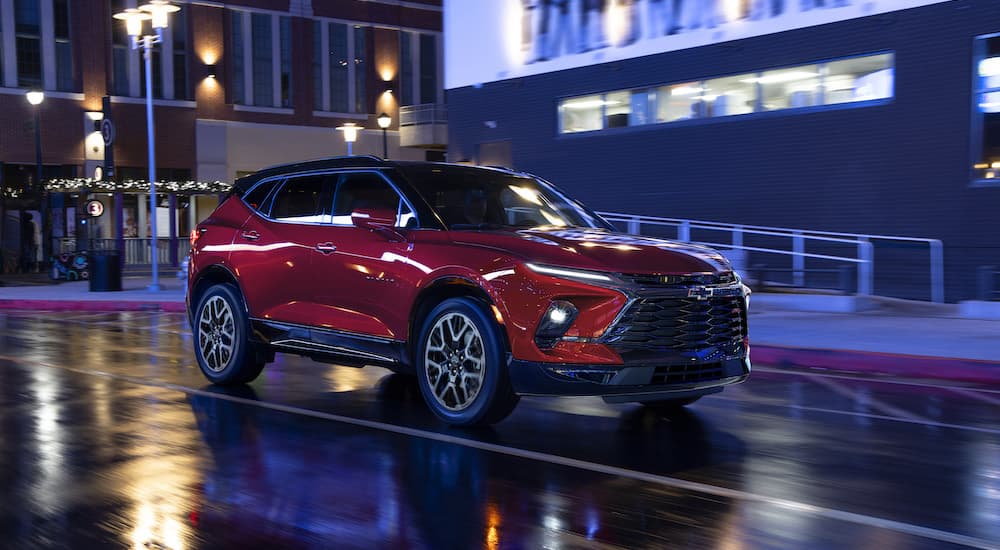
(572, 273)
(555, 322)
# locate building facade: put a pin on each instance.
(237, 85)
(875, 116)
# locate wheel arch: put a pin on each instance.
(444, 288)
(213, 275)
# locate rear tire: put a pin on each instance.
(221, 338)
(460, 360)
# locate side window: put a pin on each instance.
(258, 197)
(368, 190)
(301, 199)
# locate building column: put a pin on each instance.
(120, 226)
(172, 198)
(140, 218)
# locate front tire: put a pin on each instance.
(221, 338)
(460, 365)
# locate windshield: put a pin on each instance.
(475, 198)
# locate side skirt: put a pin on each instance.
(332, 346)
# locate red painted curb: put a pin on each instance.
(904, 366)
(92, 305)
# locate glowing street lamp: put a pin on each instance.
(384, 120)
(157, 12)
(350, 130)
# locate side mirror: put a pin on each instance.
(373, 218)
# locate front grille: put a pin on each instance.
(680, 374)
(674, 281)
(680, 324)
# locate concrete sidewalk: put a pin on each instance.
(901, 339)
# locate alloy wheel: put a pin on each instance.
(216, 333)
(455, 361)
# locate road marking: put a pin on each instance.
(859, 397)
(667, 481)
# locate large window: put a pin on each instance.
(261, 56)
(419, 63)
(856, 79)
(986, 161)
(28, 33)
(340, 57)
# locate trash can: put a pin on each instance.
(105, 271)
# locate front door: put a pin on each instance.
(365, 271)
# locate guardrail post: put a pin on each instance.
(633, 225)
(846, 276)
(984, 282)
(798, 260)
(684, 231)
(937, 272)
(866, 268)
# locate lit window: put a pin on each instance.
(581, 114)
(733, 95)
(789, 88)
(679, 102)
(858, 79)
(617, 107)
(986, 162)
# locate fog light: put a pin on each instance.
(555, 322)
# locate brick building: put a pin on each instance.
(238, 86)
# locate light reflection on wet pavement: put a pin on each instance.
(111, 438)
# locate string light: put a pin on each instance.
(137, 186)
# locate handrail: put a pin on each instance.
(865, 256)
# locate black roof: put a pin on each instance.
(243, 184)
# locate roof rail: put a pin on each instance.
(323, 159)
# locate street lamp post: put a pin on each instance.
(384, 120)
(35, 98)
(350, 130)
(157, 11)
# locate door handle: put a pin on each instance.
(326, 248)
(250, 235)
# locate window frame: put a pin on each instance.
(323, 106)
(277, 102)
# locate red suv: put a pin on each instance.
(487, 284)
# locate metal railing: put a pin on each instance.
(426, 113)
(137, 251)
(732, 236)
(987, 278)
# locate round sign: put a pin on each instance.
(107, 132)
(95, 208)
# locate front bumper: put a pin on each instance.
(627, 383)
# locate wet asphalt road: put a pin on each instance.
(111, 438)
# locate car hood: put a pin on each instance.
(599, 250)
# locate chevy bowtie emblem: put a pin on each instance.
(700, 293)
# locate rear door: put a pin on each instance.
(275, 247)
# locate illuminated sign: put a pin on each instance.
(95, 208)
(490, 40)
